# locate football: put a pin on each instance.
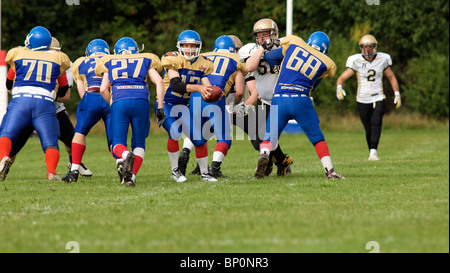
(216, 94)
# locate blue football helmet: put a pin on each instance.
(97, 46)
(224, 44)
(320, 41)
(126, 45)
(39, 38)
(189, 37)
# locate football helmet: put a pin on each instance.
(265, 25)
(55, 45)
(320, 41)
(224, 44)
(97, 46)
(126, 45)
(189, 37)
(237, 42)
(368, 40)
(39, 38)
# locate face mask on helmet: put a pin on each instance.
(368, 46)
(39, 38)
(224, 44)
(189, 44)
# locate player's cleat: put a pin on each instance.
(52, 176)
(120, 171)
(83, 170)
(5, 164)
(71, 176)
(282, 168)
(128, 167)
(183, 160)
(269, 168)
(288, 170)
(207, 177)
(178, 176)
(130, 183)
(331, 174)
(373, 157)
(214, 170)
(262, 165)
(196, 171)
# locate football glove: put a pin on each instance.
(269, 43)
(241, 110)
(340, 93)
(397, 99)
(160, 116)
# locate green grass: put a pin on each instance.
(401, 201)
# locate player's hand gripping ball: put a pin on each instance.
(216, 94)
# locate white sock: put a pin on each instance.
(373, 152)
(124, 154)
(265, 151)
(74, 167)
(218, 156)
(173, 159)
(188, 144)
(326, 163)
(203, 164)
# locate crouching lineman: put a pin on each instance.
(125, 73)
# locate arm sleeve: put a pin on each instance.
(274, 57)
(177, 85)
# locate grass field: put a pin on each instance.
(401, 202)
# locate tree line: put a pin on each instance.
(415, 33)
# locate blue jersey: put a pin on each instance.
(84, 69)
(37, 68)
(128, 74)
(302, 67)
(226, 66)
(191, 72)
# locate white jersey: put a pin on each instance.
(59, 105)
(369, 76)
(265, 75)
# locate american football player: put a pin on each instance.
(65, 125)
(37, 72)
(265, 33)
(303, 67)
(228, 72)
(91, 108)
(185, 73)
(124, 77)
(370, 67)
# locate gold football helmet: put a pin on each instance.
(237, 42)
(55, 45)
(368, 40)
(266, 25)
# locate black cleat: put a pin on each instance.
(120, 171)
(196, 171)
(331, 174)
(282, 168)
(128, 167)
(71, 176)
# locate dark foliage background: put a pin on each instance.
(415, 33)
